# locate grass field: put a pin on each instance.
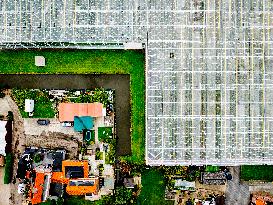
(90, 62)
(153, 188)
(257, 172)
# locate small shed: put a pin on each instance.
(83, 123)
(40, 61)
(29, 105)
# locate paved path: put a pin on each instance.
(237, 193)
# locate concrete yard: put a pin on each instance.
(209, 67)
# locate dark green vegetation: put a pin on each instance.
(42, 105)
(8, 168)
(89, 62)
(123, 196)
(257, 172)
(105, 133)
(153, 188)
(97, 95)
(212, 169)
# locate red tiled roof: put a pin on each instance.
(67, 111)
(38, 186)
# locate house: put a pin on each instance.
(75, 175)
(67, 111)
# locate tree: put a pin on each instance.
(37, 158)
(123, 196)
(49, 202)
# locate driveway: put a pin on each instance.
(32, 127)
(237, 193)
(4, 189)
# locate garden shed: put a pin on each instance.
(29, 105)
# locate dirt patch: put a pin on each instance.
(53, 140)
(120, 83)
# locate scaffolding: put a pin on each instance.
(209, 67)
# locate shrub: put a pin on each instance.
(37, 158)
(8, 168)
(2, 94)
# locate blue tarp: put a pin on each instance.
(84, 122)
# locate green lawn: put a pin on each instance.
(153, 190)
(43, 108)
(212, 169)
(257, 172)
(88, 62)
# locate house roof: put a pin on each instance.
(38, 187)
(83, 186)
(3, 132)
(68, 166)
(81, 123)
(67, 111)
(260, 202)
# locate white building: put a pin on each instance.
(3, 132)
(29, 105)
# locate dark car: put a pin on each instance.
(43, 122)
(227, 174)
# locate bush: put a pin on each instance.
(8, 168)
(37, 158)
(2, 94)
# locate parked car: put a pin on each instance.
(67, 124)
(227, 174)
(43, 121)
(109, 109)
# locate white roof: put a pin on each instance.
(3, 133)
(29, 105)
(39, 60)
(133, 45)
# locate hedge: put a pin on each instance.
(8, 168)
